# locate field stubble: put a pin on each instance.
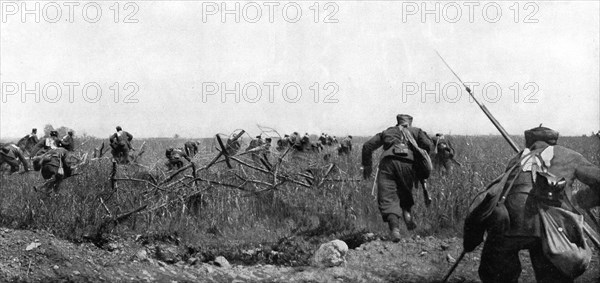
(224, 220)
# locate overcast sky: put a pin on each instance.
(369, 61)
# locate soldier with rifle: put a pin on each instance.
(530, 207)
(396, 174)
(515, 223)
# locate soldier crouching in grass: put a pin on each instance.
(396, 175)
(12, 155)
(175, 157)
(54, 167)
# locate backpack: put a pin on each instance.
(422, 162)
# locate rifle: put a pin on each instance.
(484, 109)
(588, 230)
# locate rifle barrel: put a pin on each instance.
(484, 109)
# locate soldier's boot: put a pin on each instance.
(410, 224)
(394, 225)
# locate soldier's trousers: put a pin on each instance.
(394, 187)
(500, 260)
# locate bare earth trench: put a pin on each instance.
(37, 256)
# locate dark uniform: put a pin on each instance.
(12, 154)
(120, 142)
(50, 163)
(283, 143)
(396, 176)
(444, 152)
(518, 227)
(345, 146)
(67, 141)
(255, 143)
(46, 144)
(233, 146)
(323, 139)
(175, 157)
(27, 142)
(191, 148)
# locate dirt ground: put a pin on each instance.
(37, 256)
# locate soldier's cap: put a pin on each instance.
(404, 119)
(70, 132)
(268, 139)
(34, 130)
(540, 133)
(349, 136)
(439, 134)
(53, 133)
(258, 137)
(285, 136)
(119, 128)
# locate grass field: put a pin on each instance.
(250, 211)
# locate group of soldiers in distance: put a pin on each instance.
(50, 155)
(258, 146)
(537, 179)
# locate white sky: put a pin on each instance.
(369, 54)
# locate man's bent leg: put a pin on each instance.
(500, 260)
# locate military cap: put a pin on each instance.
(34, 130)
(119, 128)
(404, 119)
(540, 134)
(53, 133)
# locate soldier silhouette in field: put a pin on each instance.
(396, 175)
(120, 142)
(13, 155)
(29, 141)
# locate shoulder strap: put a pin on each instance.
(506, 189)
(410, 137)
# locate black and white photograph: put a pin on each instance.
(299, 141)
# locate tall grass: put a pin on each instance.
(240, 215)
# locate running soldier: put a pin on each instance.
(255, 144)
(12, 154)
(283, 143)
(68, 142)
(396, 176)
(120, 142)
(46, 144)
(28, 142)
(527, 187)
(175, 157)
(54, 167)
(191, 148)
(443, 153)
(345, 146)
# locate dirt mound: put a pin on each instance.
(37, 256)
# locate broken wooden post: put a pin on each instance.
(113, 174)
